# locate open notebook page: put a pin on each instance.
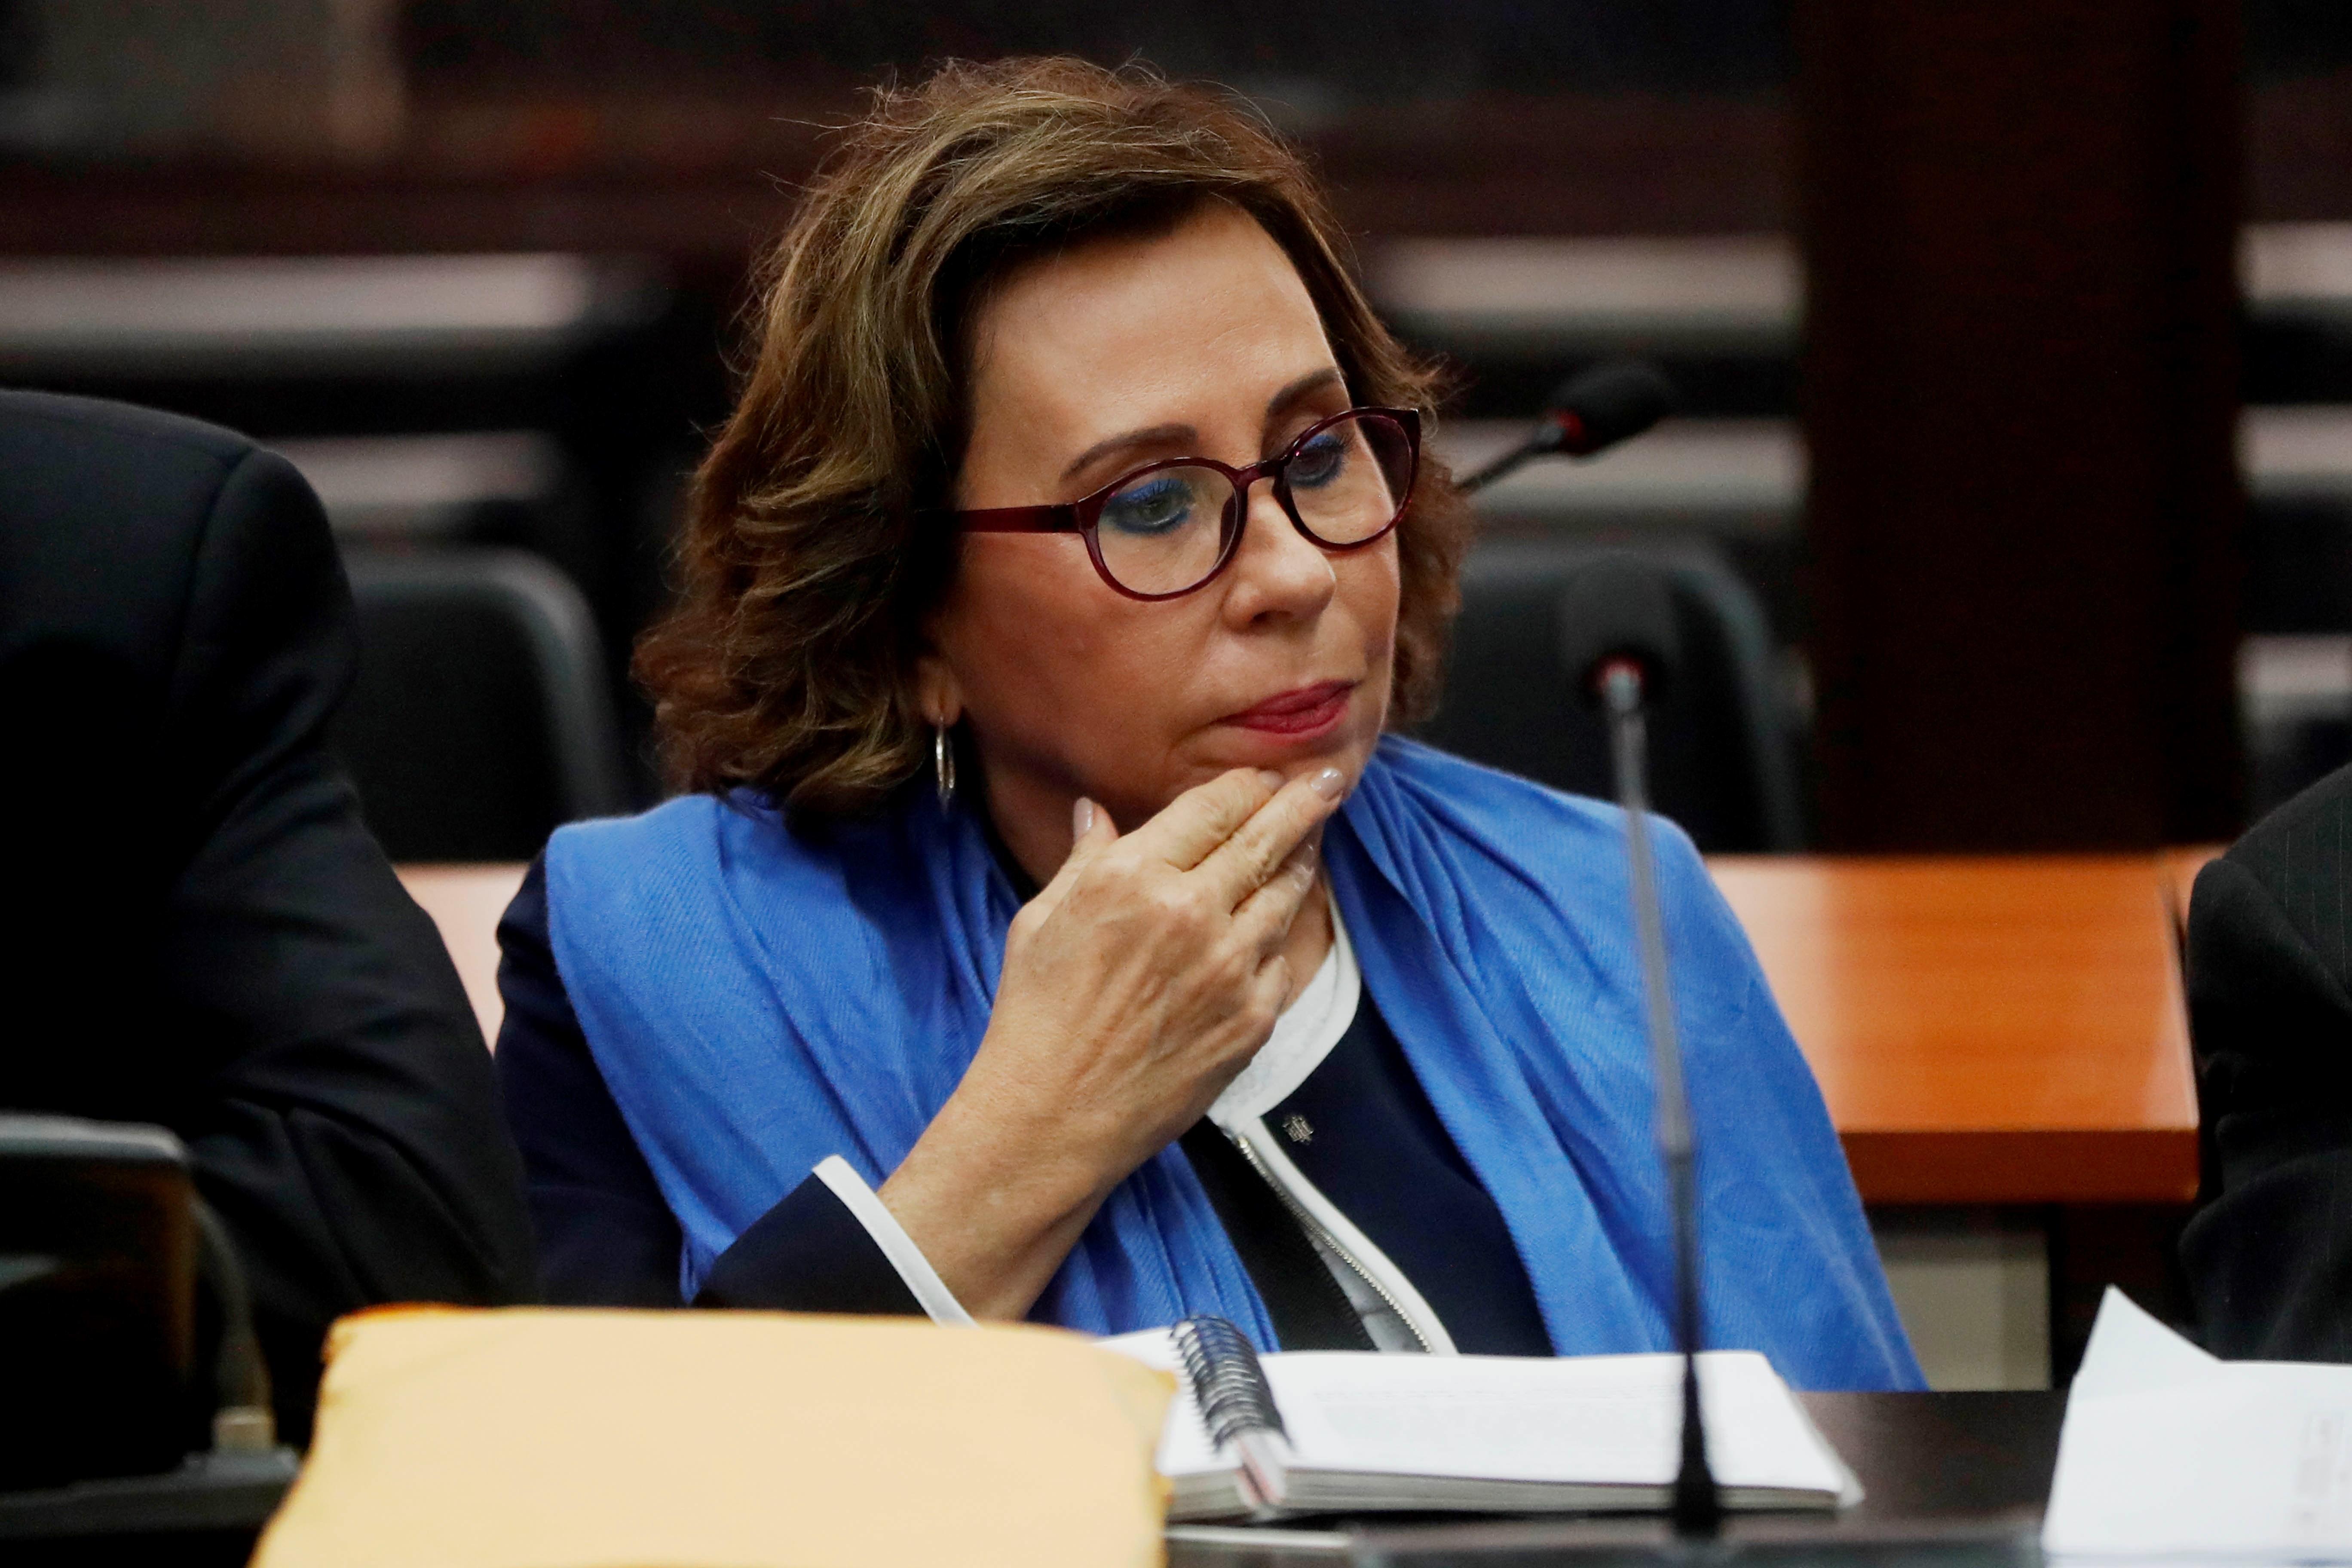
(1598, 1420)
(1593, 1419)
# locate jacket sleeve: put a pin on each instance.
(343, 1115)
(2269, 1256)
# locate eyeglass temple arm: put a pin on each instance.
(1018, 520)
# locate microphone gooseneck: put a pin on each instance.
(1619, 643)
(1697, 1505)
(1586, 414)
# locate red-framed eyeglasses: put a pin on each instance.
(1169, 527)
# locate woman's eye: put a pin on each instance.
(1155, 506)
(1320, 461)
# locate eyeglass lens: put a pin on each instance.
(1166, 530)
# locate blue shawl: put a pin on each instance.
(758, 999)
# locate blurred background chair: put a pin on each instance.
(542, 400)
(481, 719)
(1722, 743)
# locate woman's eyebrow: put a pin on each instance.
(1155, 435)
(1313, 381)
(1178, 435)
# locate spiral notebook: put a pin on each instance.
(1306, 1432)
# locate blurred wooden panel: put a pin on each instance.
(1986, 1030)
(2299, 147)
(711, 181)
(466, 902)
(2021, 382)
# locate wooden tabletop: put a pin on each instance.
(1986, 1030)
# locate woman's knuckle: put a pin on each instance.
(1176, 905)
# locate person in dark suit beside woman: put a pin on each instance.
(204, 934)
(2269, 1252)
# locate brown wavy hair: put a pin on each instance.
(788, 663)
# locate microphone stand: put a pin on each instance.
(1553, 435)
(1697, 1508)
(1586, 414)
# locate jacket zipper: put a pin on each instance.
(1315, 1228)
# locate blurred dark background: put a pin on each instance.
(2015, 464)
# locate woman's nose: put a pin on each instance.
(1278, 571)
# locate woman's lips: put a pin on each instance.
(1303, 710)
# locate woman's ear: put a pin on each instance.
(937, 692)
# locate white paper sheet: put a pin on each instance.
(2170, 1453)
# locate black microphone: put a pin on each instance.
(1588, 412)
(1620, 644)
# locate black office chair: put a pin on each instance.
(481, 718)
(1722, 754)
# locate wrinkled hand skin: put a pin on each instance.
(1136, 986)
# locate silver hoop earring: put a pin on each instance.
(943, 765)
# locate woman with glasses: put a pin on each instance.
(1054, 928)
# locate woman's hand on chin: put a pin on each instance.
(1136, 985)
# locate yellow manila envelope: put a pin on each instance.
(552, 1438)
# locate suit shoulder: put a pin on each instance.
(79, 468)
(2299, 857)
(108, 500)
(2303, 841)
(70, 426)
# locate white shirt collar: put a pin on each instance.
(1302, 1036)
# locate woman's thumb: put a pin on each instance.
(1090, 828)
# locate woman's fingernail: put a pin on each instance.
(1269, 778)
(1082, 816)
(1303, 857)
(1328, 784)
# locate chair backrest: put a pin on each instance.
(1722, 751)
(482, 718)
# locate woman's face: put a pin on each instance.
(1090, 362)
